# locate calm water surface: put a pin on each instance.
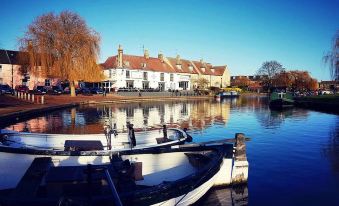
(293, 154)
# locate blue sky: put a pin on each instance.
(241, 34)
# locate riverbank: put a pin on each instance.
(326, 103)
(13, 109)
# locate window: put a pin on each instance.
(130, 112)
(145, 76)
(190, 67)
(183, 85)
(162, 76)
(171, 77)
(47, 82)
(145, 85)
(129, 84)
(161, 86)
(128, 74)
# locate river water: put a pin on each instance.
(293, 154)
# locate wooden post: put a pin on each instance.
(164, 129)
(42, 99)
(240, 147)
(131, 135)
(240, 165)
(33, 98)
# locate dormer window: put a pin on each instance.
(179, 66)
(126, 63)
(190, 67)
(203, 69)
(143, 65)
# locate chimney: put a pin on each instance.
(178, 60)
(161, 57)
(146, 54)
(120, 53)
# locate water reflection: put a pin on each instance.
(195, 114)
(233, 196)
(274, 118)
(331, 150)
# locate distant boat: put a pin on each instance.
(227, 94)
(281, 100)
(179, 175)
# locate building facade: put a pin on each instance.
(162, 73)
(11, 74)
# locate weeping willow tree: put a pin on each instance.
(62, 46)
(332, 57)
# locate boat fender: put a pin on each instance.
(189, 137)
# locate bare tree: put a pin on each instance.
(269, 70)
(62, 46)
(332, 57)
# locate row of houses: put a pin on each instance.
(130, 71)
(163, 73)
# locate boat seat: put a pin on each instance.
(83, 145)
(198, 160)
(161, 140)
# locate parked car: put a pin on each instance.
(67, 90)
(21, 88)
(97, 90)
(85, 91)
(326, 92)
(6, 89)
(55, 90)
(40, 90)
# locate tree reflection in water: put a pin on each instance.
(274, 118)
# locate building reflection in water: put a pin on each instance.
(195, 114)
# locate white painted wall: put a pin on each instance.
(118, 76)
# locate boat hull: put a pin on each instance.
(218, 173)
(281, 103)
(144, 139)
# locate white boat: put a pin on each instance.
(179, 175)
(120, 141)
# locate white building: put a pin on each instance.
(142, 72)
